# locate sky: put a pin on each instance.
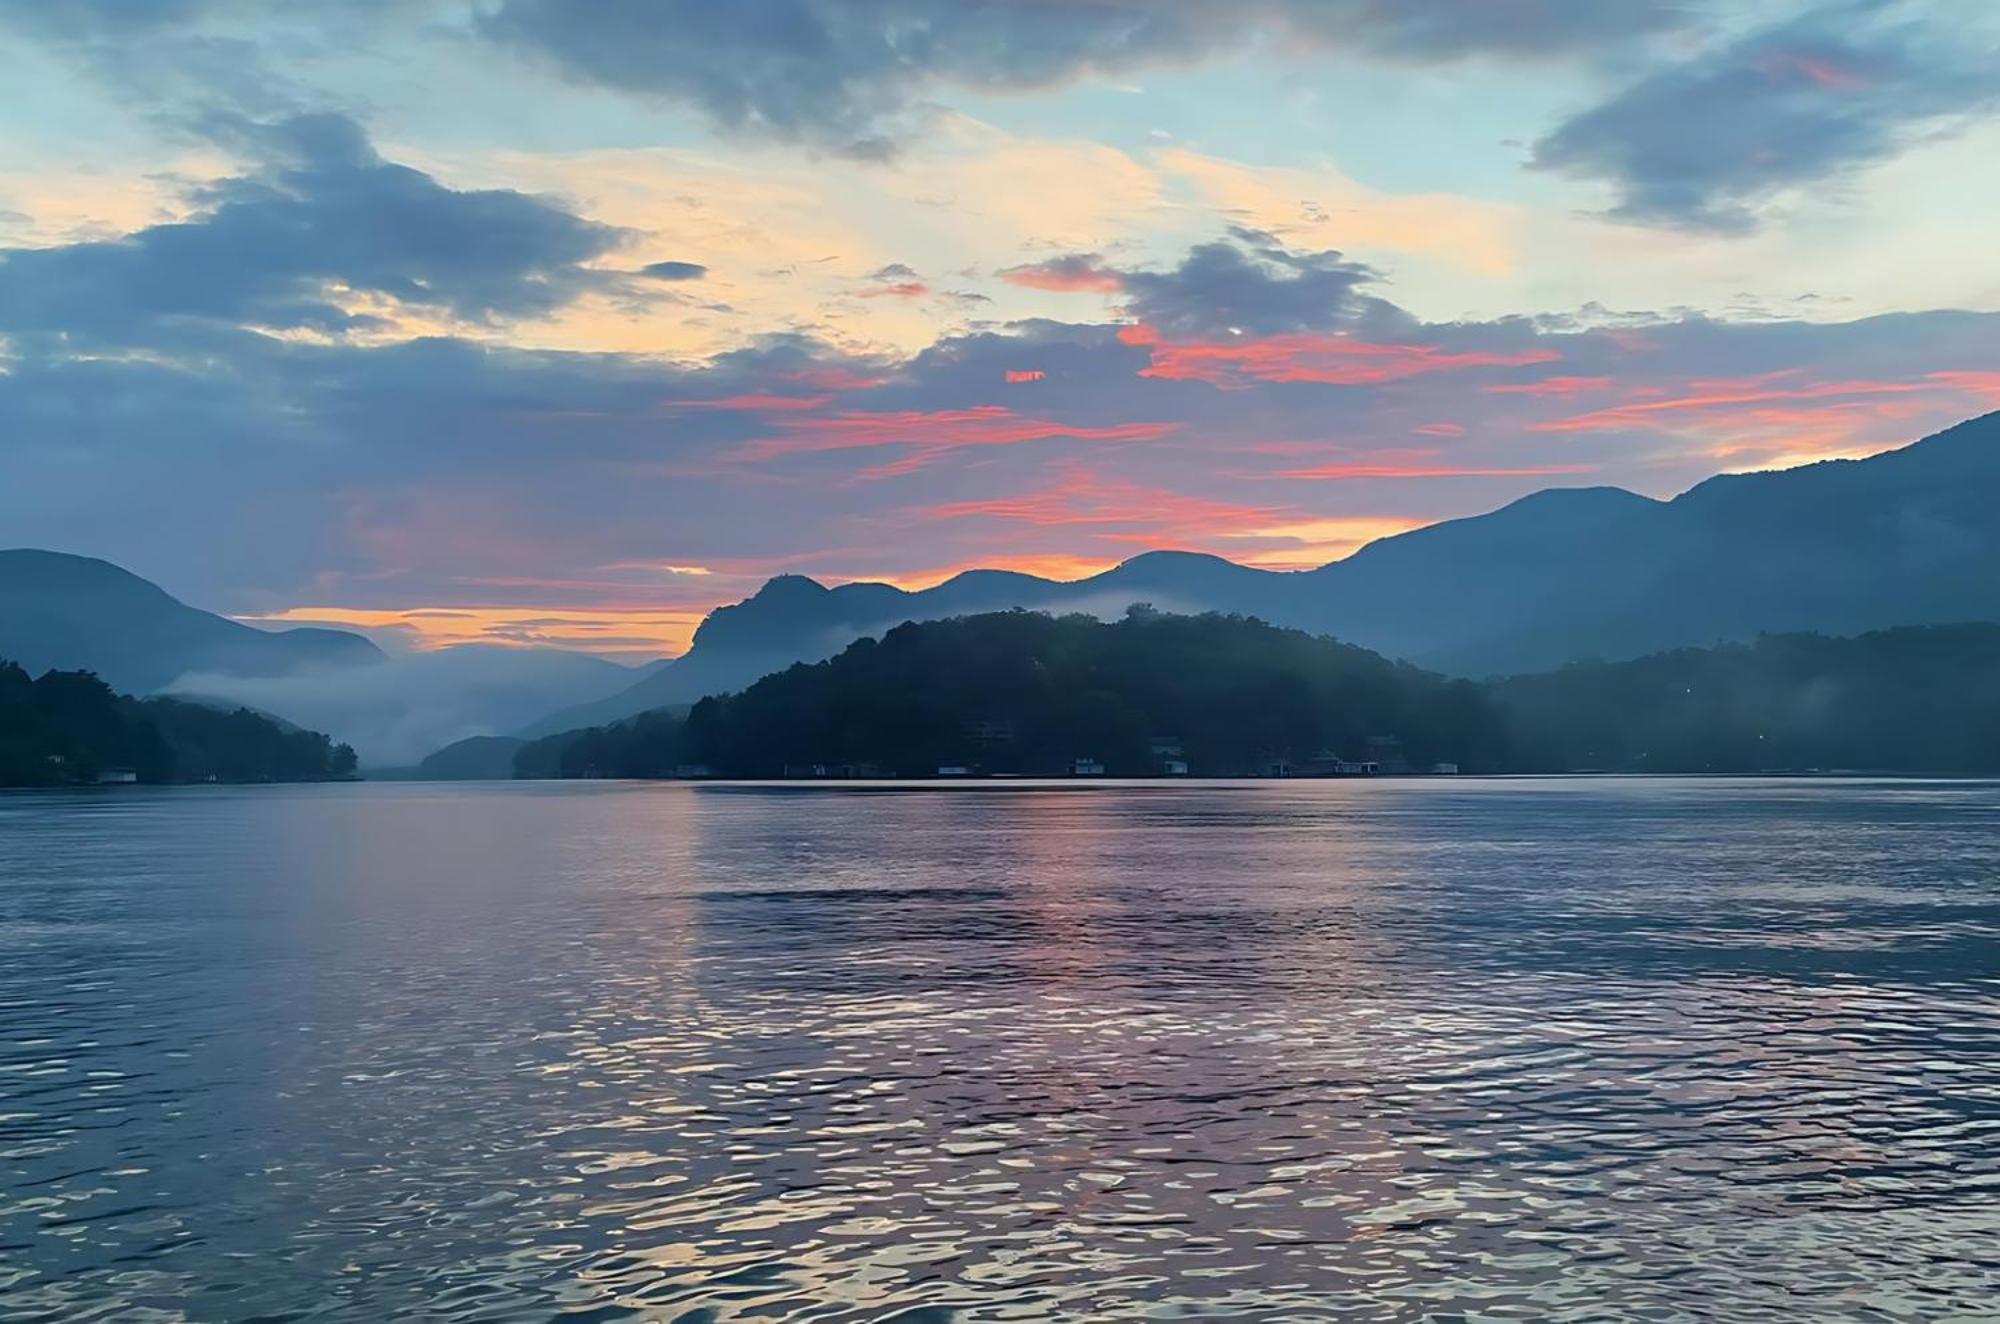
(563, 321)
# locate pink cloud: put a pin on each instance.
(1067, 275)
(1324, 359)
(833, 377)
(1018, 376)
(930, 435)
(1725, 395)
(1974, 383)
(1822, 73)
(1551, 386)
(1082, 499)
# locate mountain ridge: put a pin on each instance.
(1909, 536)
(61, 611)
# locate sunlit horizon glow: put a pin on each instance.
(637, 633)
(1246, 282)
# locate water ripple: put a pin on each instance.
(1427, 1050)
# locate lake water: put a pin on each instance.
(1549, 1050)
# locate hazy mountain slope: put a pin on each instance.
(414, 703)
(473, 759)
(80, 613)
(1908, 537)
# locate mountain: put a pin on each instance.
(62, 612)
(1908, 537)
(473, 759)
(1023, 693)
(1015, 693)
(67, 612)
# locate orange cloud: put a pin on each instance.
(1016, 377)
(638, 631)
(1324, 359)
(1312, 543)
(1128, 514)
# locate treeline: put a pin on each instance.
(1030, 694)
(1025, 693)
(68, 728)
(1923, 699)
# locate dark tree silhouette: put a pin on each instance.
(70, 728)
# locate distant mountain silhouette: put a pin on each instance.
(79, 613)
(1908, 537)
(64, 612)
(474, 759)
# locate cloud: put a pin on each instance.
(1323, 206)
(1350, 472)
(1117, 509)
(1072, 273)
(370, 473)
(1708, 142)
(205, 53)
(857, 76)
(1327, 360)
(925, 436)
(674, 270)
(1726, 395)
(1251, 285)
(322, 225)
(896, 281)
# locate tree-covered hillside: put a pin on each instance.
(1020, 692)
(1920, 699)
(69, 728)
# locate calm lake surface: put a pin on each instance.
(1573, 1050)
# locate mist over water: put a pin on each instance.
(1541, 1049)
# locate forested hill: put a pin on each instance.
(1019, 692)
(1924, 699)
(69, 728)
